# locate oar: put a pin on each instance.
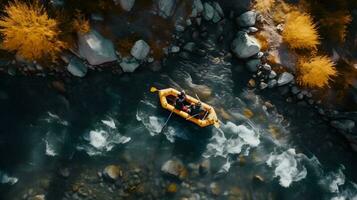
(154, 89)
(188, 118)
(163, 127)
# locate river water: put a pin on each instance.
(105, 119)
(108, 119)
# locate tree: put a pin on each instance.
(28, 30)
(300, 31)
(316, 72)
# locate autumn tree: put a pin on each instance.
(29, 31)
(316, 71)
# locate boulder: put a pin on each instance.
(253, 64)
(112, 172)
(174, 168)
(166, 7)
(140, 50)
(129, 64)
(247, 19)
(197, 7)
(245, 46)
(127, 5)
(285, 78)
(208, 11)
(76, 67)
(95, 48)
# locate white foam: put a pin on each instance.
(6, 179)
(50, 151)
(287, 167)
(102, 139)
(110, 123)
(53, 118)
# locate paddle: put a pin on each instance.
(154, 89)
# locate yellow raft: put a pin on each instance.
(167, 97)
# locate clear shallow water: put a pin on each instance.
(105, 119)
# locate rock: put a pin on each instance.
(11, 71)
(258, 179)
(285, 78)
(218, 8)
(140, 50)
(245, 46)
(179, 28)
(272, 74)
(204, 167)
(174, 168)
(253, 64)
(247, 19)
(344, 125)
(208, 11)
(175, 49)
(251, 83)
(252, 29)
(112, 172)
(39, 197)
(129, 64)
(215, 189)
(127, 5)
(172, 188)
(267, 67)
(272, 83)
(76, 67)
(295, 90)
(166, 7)
(197, 4)
(263, 85)
(95, 48)
(189, 46)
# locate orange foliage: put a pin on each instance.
(263, 5)
(316, 72)
(81, 24)
(300, 31)
(28, 30)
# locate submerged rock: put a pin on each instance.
(247, 19)
(215, 189)
(245, 46)
(345, 125)
(208, 11)
(166, 7)
(197, 8)
(140, 50)
(129, 64)
(95, 48)
(112, 172)
(174, 168)
(285, 78)
(76, 67)
(253, 64)
(126, 4)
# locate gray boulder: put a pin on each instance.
(166, 7)
(208, 11)
(76, 67)
(95, 48)
(127, 5)
(174, 168)
(247, 19)
(140, 50)
(285, 78)
(197, 7)
(129, 64)
(345, 125)
(245, 46)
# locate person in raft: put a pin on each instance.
(196, 110)
(180, 103)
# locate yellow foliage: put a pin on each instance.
(316, 72)
(28, 30)
(262, 38)
(280, 10)
(81, 24)
(300, 31)
(263, 5)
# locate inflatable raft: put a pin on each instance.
(168, 97)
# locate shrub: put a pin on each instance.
(316, 72)
(300, 31)
(335, 25)
(28, 30)
(81, 24)
(263, 5)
